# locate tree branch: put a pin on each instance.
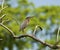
(57, 42)
(57, 34)
(3, 9)
(8, 29)
(37, 26)
(31, 36)
(34, 32)
(2, 16)
(34, 38)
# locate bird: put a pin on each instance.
(25, 23)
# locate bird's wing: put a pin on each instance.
(23, 25)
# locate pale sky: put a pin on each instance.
(38, 3)
(45, 2)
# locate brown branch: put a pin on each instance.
(8, 29)
(34, 38)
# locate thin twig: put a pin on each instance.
(4, 21)
(58, 35)
(2, 16)
(35, 30)
(3, 9)
(16, 20)
(37, 26)
(57, 42)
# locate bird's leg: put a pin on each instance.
(23, 31)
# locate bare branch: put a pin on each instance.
(58, 34)
(37, 26)
(34, 38)
(35, 30)
(57, 42)
(7, 29)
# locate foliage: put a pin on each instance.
(48, 17)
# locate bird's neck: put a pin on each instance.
(28, 20)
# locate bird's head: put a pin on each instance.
(28, 17)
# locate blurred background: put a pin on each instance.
(46, 14)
